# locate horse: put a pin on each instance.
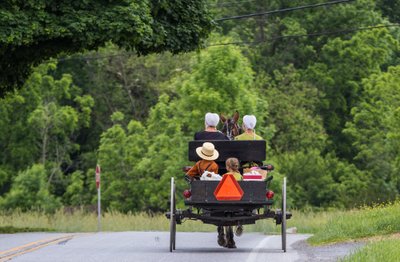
(230, 125)
(231, 129)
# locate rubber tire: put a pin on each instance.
(283, 225)
(172, 224)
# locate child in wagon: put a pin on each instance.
(232, 166)
(208, 154)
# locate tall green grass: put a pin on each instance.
(81, 221)
(359, 223)
(386, 250)
(327, 226)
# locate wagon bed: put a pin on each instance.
(203, 195)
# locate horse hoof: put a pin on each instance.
(239, 231)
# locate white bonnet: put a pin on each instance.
(249, 121)
(211, 119)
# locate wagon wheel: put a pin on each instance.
(283, 225)
(172, 225)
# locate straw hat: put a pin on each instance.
(207, 151)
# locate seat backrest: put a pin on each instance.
(244, 150)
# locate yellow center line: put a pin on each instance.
(16, 251)
(26, 245)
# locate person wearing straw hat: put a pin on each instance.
(249, 123)
(211, 121)
(208, 154)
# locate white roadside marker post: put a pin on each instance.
(98, 198)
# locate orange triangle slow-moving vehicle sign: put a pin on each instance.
(228, 189)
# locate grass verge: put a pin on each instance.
(359, 223)
(386, 250)
(11, 229)
(81, 221)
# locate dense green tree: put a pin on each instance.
(278, 37)
(374, 131)
(120, 151)
(390, 9)
(80, 190)
(166, 153)
(5, 179)
(118, 80)
(339, 72)
(293, 111)
(30, 191)
(43, 119)
(314, 180)
(32, 30)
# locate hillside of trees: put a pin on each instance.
(324, 84)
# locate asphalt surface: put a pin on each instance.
(154, 246)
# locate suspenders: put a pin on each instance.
(198, 169)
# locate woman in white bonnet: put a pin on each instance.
(249, 123)
(211, 121)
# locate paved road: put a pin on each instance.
(150, 246)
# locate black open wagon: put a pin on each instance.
(205, 204)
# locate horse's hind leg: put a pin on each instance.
(229, 237)
(221, 236)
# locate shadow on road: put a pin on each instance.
(226, 250)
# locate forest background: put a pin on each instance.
(324, 84)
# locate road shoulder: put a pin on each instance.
(331, 252)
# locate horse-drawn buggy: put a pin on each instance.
(228, 203)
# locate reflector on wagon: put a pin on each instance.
(228, 189)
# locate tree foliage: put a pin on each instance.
(42, 120)
(375, 131)
(32, 31)
(30, 190)
(315, 180)
(293, 111)
(343, 65)
(218, 76)
(327, 104)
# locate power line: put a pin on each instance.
(338, 32)
(283, 10)
(224, 4)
